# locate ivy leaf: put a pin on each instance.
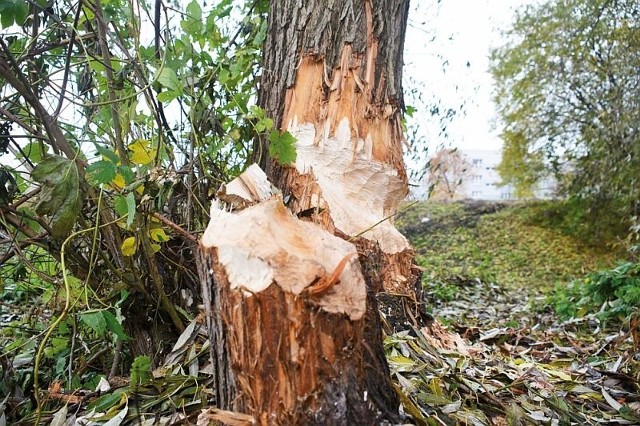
(128, 247)
(101, 172)
(60, 195)
(95, 321)
(282, 147)
(114, 326)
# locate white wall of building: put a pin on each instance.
(482, 181)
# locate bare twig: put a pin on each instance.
(67, 64)
(102, 27)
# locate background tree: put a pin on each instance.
(447, 171)
(568, 93)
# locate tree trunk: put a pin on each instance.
(290, 279)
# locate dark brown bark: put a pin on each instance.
(321, 29)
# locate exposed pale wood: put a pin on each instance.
(344, 107)
(251, 187)
(265, 244)
(293, 308)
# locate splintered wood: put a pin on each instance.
(266, 245)
(288, 307)
(349, 150)
(294, 277)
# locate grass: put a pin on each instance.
(512, 244)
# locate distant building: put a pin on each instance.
(481, 180)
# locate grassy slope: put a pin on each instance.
(513, 245)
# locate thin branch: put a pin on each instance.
(67, 64)
(16, 79)
(113, 99)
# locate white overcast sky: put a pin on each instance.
(464, 31)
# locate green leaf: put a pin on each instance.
(282, 147)
(140, 370)
(95, 321)
(192, 25)
(105, 402)
(194, 10)
(7, 16)
(60, 195)
(20, 10)
(34, 151)
(223, 76)
(168, 96)
(127, 174)
(114, 326)
(169, 79)
(126, 205)
(101, 172)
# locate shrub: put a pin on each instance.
(613, 293)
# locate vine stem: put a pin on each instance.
(61, 317)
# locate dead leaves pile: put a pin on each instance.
(511, 365)
(498, 362)
(177, 393)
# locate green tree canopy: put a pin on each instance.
(568, 94)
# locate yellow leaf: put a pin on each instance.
(118, 181)
(155, 247)
(129, 246)
(158, 235)
(141, 152)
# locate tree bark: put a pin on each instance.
(290, 280)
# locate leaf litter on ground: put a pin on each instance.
(495, 356)
(515, 366)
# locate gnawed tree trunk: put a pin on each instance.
(290, 280)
